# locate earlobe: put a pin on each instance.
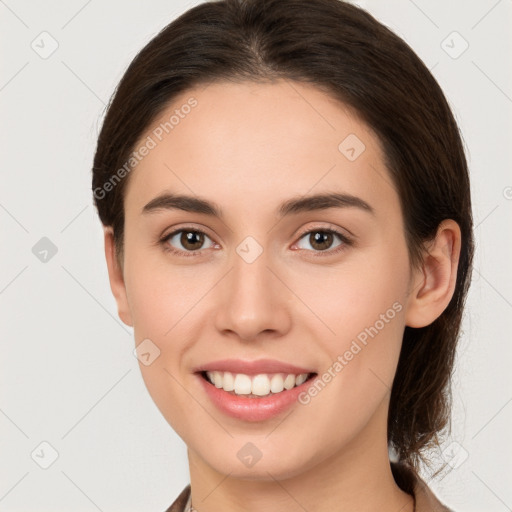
(116, 278)
(433, 284)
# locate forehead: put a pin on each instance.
(258, 141)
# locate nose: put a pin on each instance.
(252, 302)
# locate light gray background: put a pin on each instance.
(68, 375)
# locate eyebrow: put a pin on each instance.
(168, 201)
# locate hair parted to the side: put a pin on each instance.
(347, 53)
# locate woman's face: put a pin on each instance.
(266, 281)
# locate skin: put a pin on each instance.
(248, 147)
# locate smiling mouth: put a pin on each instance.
(255, 386)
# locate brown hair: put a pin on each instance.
(343, 50)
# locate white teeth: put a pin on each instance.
(228, 382)
(242, 384)
(300, 379)
(276, 383)
(217, 379)
(289, 382)
(259, 385)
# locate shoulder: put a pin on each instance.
(408, 480)
(181, 501)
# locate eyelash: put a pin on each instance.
(346, 242)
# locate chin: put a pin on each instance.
(246, 458)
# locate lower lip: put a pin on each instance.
(252, 409)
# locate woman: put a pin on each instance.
(288, 229)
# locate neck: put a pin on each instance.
(358, 477)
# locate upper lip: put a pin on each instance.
(252, 367)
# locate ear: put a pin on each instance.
(433, 284)
(115, 275)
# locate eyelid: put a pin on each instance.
(346, 242)
(328, 227)
(186, 227)
(164, 239)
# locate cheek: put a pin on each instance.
(355, 382)
(162, 305)
(159, 294)
(363, 306)
(354, 296)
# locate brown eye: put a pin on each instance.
(185, 241)
(191, 240)
(322, 239)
